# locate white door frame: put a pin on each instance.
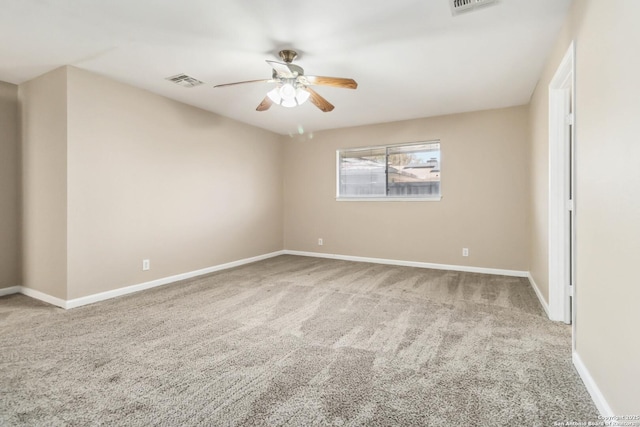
(561, 208)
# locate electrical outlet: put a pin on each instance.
(465, 251)
(146, 264)
(320, 242)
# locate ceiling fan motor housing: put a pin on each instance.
(288, 55)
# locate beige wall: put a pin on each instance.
(484, 186)
(539, 179)
(607, 187)
(10, 274)
(153, 178)
(44, 183)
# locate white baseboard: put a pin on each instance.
(593, 389)
(90, 299)
(534, 285)
(77, 302)
(9, 291)
(464, 268)
(43, 297)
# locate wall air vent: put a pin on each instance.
(184, 80)
(462, 6)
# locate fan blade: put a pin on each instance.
(319, 101)
(282, 69)
(248, 81)
(331, 81)
(265, 104)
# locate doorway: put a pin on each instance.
(562, 200)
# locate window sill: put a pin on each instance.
(388, 199)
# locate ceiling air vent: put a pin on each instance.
(184, 80)
(461, 6)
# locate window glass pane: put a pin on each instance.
(362, 173)
(400, 171)
(414, 170)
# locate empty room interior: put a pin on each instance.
(328, 213)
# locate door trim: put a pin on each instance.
(561, 99)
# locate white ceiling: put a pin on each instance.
(410, 58)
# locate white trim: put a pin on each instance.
(593, 389)
(395, 144)
(43, 297)
(464, 268)
(561, 91)
(536, 289)
(9, 291)
(337, 174)
(388, 199)
(90, 299)
(77, 302)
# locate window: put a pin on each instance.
(394, 172)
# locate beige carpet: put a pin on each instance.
(294, 341)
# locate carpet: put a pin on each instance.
(294, 341)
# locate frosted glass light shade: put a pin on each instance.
(289, 103)
(287, 91)
(274, 95)
(288, 96)
(301, 96)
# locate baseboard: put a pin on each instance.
(90, 299)
(534, 285)
(77, 302)
(463, 268)
(593, 389)
(9, 291)
(43, 297)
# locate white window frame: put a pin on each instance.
(386, 198)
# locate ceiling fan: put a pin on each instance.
(292, 85)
